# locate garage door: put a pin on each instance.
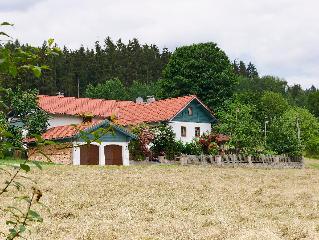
(89, 155)
(113, 155)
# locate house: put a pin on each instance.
(69, 116)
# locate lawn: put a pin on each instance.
(177, 202)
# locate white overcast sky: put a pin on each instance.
(280, 37)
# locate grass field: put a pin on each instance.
(16, 162)
(177, 202)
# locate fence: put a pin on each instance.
(267, 161)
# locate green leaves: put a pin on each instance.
(283, 134)
(50, 41)
(34, 216)
(110, 89)
(4, 34)
(201, 69)
(25, 167)
(6, 24)
(237, 121)
(36, 71)
(38, 165)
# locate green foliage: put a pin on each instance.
(164, 142)
(114, 89)
(237, 121)
(139, 89)
(283, 135)
(159, 138)
(111, 89)
(139, 149)
(247, 72)
(297, 96)
(260, 85)
(272, 105)
(192, 148)
(313, 147)
(201, 69)
(313, 102)
(21, 106)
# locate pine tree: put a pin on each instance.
(252, 71)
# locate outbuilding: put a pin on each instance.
(90, 143)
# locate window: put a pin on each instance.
(183, 131)
(197, 131)
(190, 111)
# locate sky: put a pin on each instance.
(280, 37)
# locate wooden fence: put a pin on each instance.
(268, 161)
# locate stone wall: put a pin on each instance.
(57, 153)
(264, 161)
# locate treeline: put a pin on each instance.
(251, 87)
(131, 62)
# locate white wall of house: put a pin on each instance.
(62, 120)
(190, 129)
(102, 153)
(56, 120)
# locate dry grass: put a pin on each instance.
(177, 202)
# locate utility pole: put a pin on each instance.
(266, 122)
(298, 130)
(78, 79)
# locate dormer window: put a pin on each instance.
(190, 111)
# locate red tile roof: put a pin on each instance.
(67, 131)
(161, 110)
(126, 112)
(79, 106)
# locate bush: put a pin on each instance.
(139, 149)
(283, 134)
(192, 148)
(313, 147)
(164, 142)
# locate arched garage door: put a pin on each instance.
(113, 155)
(89, 155)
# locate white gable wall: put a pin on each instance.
(190, 129)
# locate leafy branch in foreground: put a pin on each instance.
(13, 62)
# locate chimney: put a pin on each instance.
(60, 94)
(150, 99)
(139, 100)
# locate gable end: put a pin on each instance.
(194, 112)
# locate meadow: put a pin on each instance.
(176, 202)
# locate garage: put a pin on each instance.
(90, 143)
